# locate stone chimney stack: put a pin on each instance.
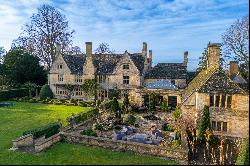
(150, 58)
(88, 49)
(233, 68)
(58, 49)
(213, 57)
(185, 62)
(144, 50)
(88, 68)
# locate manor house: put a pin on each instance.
(127, 72)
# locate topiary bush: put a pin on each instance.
(46, 92)
(177, 114)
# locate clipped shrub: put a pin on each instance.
(89, 132)
(130, 120)
(48, 130)
(167, 127)
(32, 101)
(81, 103)
(204, 124)
(46, 92)
(12, 93)
(81, 117)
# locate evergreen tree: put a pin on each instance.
(243, 156)
(46, 92)
(126, 103)
(204, 123)
(202, 65)
(116, 108)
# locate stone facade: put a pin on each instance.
(126, 72)
(227, 101)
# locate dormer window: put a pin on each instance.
(125, 66)
(59, 66)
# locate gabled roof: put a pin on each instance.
(238, 79)
(104, 63)
(75, 63)
(220, 82)
(212, 80)
(167, 71)
(197, 82)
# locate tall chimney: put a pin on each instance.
(88, 68)
(150, 58)
(213, 56)
(233, 68)
(88, 49)
(58, 49)
(185, 62)
(144, 50)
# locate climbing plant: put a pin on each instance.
(90, 87)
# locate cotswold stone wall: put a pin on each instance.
(39, 146)
(26, 140)
(178, 154)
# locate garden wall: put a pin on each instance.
(179, 154)
(41, 145)
(26, 140)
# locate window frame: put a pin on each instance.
(125, 80)
(125, 66)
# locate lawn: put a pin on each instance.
(23, 116)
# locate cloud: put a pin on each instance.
(168, 26)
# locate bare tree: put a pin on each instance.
(73, 50)
(104, 48)
(47, 28)
(236, 42)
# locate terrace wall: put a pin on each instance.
(177, 154)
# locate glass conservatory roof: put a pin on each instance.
(160, 84)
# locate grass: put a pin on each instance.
(24, 116)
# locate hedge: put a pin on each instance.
(12, 93)
(83, 116)
(243, 156)
(48, 131)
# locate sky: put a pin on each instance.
(169, 27)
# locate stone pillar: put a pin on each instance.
(213, 57)
(144, 55)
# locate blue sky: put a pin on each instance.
(170, 27)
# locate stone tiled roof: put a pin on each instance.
(220, 82)
(75, 63)
(138, 61)
(191, 75)
(238, 79)
(197, 82)
(104, 63)
(212, 80)
(167, 71)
